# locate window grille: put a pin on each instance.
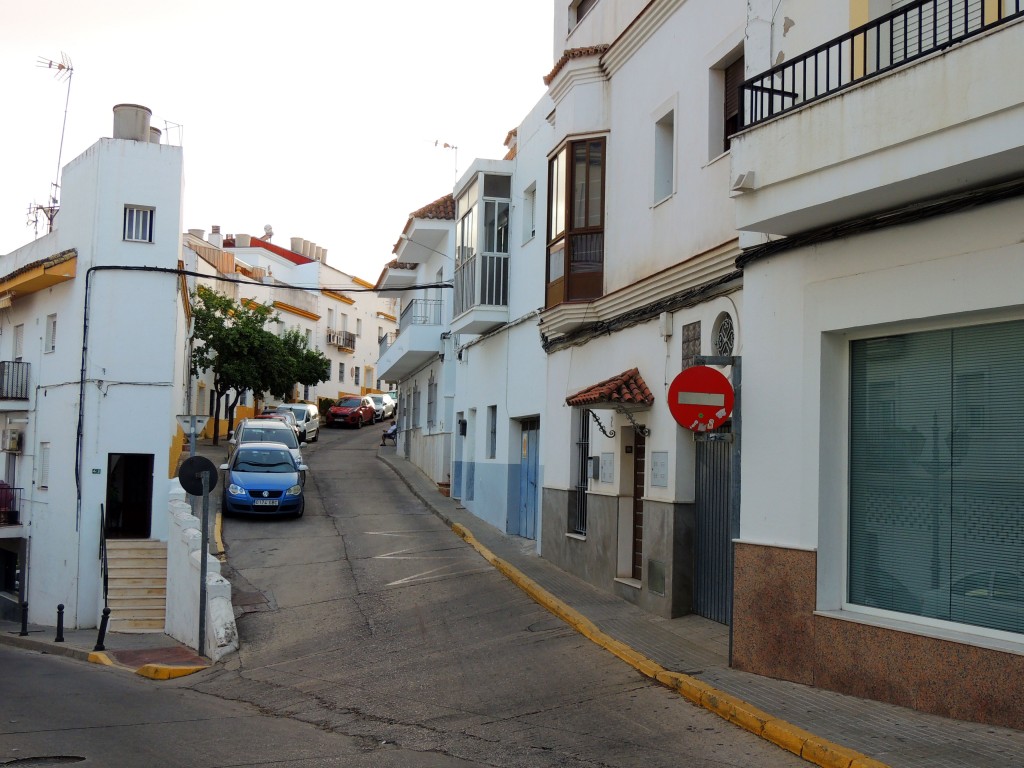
(578, 513)
(431, 402)
(415, 405)
(50, 342)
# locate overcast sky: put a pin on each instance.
(318, 117)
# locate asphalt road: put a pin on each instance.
(370, 620)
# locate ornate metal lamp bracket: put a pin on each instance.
(638, 427)
(600, 426)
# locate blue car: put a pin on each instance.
(263, 479)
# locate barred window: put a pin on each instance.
(431, 403)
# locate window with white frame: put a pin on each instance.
(530, 212)
(578, 9)
(935, 475)
(19, 342)
(138, 224)
(664, 155)
(43, 478)
(359, 326)
(431, 402)
(341, 371)
(50, 341)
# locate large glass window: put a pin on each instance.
(576, 222)
(937, 475)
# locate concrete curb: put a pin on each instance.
(804, 744)
(808, 746)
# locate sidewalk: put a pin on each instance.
(690, 654)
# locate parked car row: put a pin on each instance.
(265, 471)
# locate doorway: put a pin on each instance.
(712, 598)
(525, 524)
(639, 467)
(129, 505)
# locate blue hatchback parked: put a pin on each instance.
(263, 479)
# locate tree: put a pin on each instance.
(235, 345)
(306, 366)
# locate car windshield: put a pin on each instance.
(267, 434)
(270, 460)
(350, 402)
(378, 399)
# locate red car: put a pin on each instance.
(352, 412)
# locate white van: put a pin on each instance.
(307, 416)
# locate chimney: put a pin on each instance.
(297, 245)
(198, 233)
(216, 238)
(154, 135)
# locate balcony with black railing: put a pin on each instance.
(14, 380)
(916, 105)
(900, 37)
(10, 505)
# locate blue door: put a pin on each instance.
(529, 470)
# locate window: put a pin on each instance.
(50, 342)
(529, 212)
(733, 78)
(492, 431)
(575, 268)
(138, 224)
(431, 402)
(578, 512)
(415, 405)
(359, 326)
(664, 156)
(578, 9)
(935, 479)
(341, 371)
(43, 476)
(19, 342)
(355, 375)
(466, 229)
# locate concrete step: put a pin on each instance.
(142, 591)
(136, 562)
(135, 625)
(136, 611)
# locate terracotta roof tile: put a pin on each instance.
(627, 388)
(569, 55)
(442, 208)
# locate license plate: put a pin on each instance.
(264, 502)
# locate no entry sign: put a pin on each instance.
(700, 398)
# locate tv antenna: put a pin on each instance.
(63, 70)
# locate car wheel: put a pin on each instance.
(316, 436)
(302, 509)
(359, 421)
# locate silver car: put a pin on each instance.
(266, 431)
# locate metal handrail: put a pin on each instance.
(899, 37)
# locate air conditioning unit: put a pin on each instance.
(12, 440)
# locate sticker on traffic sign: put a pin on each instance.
(700, 398)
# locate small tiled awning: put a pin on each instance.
(626, 391)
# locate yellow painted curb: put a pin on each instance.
(97, 657)
(220, 554)
(166, 671)
(804, 744)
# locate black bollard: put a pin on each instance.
(103, 630)
(60, 624)
(24, 620)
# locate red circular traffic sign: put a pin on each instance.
(700, 398)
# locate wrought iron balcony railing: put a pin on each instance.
(14, 380)
(890, 41)
(10, 505)
(481, 281)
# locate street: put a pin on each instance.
(368, 617)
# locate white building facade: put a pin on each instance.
(640, 279)
(93, 375)
(420, 357)
(881, 550)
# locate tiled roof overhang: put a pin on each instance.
(627, 390)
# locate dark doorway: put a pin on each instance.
(129, 507)
(639, 468)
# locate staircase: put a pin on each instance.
(137, 586)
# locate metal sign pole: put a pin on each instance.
(205, 545)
